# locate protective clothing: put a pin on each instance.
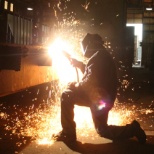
(89, 44)
(97, 90)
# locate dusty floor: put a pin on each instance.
(139, 98)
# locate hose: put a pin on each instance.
(77, 74)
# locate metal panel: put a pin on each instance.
(148, 48)
(22, 31)
(10, 58)
(15, 29)
(148, 14)
(129, 53)
(10, 22)
(134, 21)
(18, 31)
(28, 29)
(148, 20)
(25, 31)
(147, 1)
(148, 27)
(10, 36)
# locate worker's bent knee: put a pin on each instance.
(66, 97)
(102, 131)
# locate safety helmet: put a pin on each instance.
(89, 42)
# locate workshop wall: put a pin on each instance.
(31, 73)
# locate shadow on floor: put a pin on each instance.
(126, 147)
(12, 144)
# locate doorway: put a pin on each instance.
(138, 33)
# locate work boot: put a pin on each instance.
(139, 132)
(61, 136)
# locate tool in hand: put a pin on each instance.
(68, 56)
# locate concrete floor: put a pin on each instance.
(98, 146)
(139, 97)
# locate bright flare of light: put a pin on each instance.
(65, 72)
(45, 141)
(83, 117)
(101, 105)
(149, 8)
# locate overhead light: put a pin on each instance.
(5, 5)
(11, 7)
(29, 8)
(149, 8)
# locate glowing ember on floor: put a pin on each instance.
(45, 141)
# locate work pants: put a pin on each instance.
(70, 98)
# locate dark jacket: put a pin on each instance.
(100, 75)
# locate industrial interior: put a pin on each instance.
(29, 27)
(25, 25)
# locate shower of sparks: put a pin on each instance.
(61, 64)
(44, 121)
(86, 5)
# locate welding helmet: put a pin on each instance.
(90, 44)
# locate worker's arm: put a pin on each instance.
(78, 64)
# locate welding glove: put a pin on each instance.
(72, 85)
(75, 62)
(78, 64)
